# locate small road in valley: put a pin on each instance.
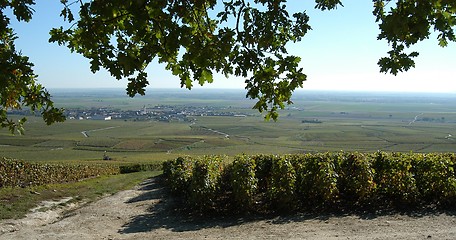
(85, 133)
(416, 118)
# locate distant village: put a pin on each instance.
(164, 113)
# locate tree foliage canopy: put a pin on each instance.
(197, 38)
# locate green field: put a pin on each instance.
(349, 122)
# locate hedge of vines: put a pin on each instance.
(16, 173)
(140, 167)
(314, 181)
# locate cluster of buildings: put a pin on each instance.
(159, 113)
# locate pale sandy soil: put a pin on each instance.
(143, 213)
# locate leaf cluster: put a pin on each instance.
(245, 38)
(18, 84)
(408, 22)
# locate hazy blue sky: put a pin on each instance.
(340, 53)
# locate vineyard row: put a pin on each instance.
(314, 181)
(17, 173)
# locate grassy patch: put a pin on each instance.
(16, 202)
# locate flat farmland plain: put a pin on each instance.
(316, 122)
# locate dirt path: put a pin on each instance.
(142, 213)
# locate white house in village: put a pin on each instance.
(100, 117)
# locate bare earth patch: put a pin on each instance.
(144, 213)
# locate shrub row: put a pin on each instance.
(313, 181)
(16, 173)
(140, 167)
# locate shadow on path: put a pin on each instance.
(166, 213)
